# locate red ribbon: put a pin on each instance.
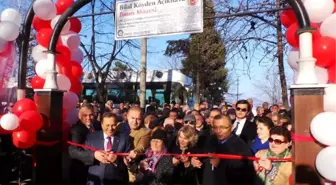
(300, 138)
(221, 156)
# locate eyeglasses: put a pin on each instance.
(189, 122)
(222, 127)
(241, 109)
(276, 141)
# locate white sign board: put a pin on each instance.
(150, 18)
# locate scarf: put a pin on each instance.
(268, 178)
(153, 159)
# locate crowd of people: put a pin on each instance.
(153, 143)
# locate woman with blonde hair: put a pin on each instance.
(186, 140)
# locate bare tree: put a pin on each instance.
(269, 87)
(255, 38)
(101, 49)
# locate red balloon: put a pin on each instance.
(31, 121)
(39, 24)
(76, 86)
(76, 69)
(288, 17)
(65, 69)
(24, 105)
(324, 50)
(43, 37)
(63, 53)
(37, 82)
(76, 25)
(293, 38)
(23, 139)
(63, 5)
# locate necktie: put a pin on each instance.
(109, 144)
(91, 128)
(236, 128)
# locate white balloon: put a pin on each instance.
(43, 66)
(72, 116)
(293, 57)
(318, 12)
(11, 15)
(66, 27)
(9, 121)
(328, 26)
(321, 74)
(71, 40)
(38, 53)
(70, 100)
(44, 9)
(329, 98)
(326, 163)
(3, 45)
(9, 31)
(323, 128)
(63, 82)
(77, 55)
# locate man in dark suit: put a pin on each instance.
(227, 171)
(105, 167)
(79, 131)
(242, 127)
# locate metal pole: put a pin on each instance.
(51, 75)
(143, 73)
(25, 36)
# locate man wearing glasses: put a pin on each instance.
(242, 127)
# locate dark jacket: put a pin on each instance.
(78, 170)
(249, 132)
(163, 174)
(234, 172)
(184, 175)
(107, 174)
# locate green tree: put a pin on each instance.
(203, 59)
(118, 66)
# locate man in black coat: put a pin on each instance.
(227, 171)
(242, 127)
(79, 131)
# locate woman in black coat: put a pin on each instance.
(156, 168)
(184, 172)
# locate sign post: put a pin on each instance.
(152, 18)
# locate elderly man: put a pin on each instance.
(79, 131)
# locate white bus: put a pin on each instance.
(162, 86)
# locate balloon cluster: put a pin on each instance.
(322, 14)
(23, 123)
(10, 20)
(68, 57)
(323, 18)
